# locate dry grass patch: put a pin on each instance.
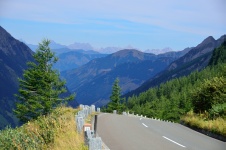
(67, 136)
(201, 121)
(55, 131)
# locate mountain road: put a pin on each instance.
(121, 132)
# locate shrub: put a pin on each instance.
(210, 93)
(218, 110)
(19, 138)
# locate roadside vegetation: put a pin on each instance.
(48, 124)
(202, 121)
(209, 99)
(55, 131)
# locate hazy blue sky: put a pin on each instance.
(144, 24)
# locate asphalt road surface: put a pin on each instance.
(134, 133)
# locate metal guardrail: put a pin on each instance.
(94, 142)
(137, 115)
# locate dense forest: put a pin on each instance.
(203, 91)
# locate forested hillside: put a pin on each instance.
(196, 59)
(176, 97)
(219, 55)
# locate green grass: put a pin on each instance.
(55, 131)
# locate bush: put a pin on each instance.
(218, 110)
(19, 138)
(210, 93)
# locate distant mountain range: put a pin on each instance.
(78, 54)
(88, 47)
(73, 59)
(93, 81)
(53, 45)
(159, 51)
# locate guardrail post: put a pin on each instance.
(114, 111)
(95, 124)
(95, 143)
(92, 108)
(79, 122)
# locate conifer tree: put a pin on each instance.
(40, 88)
(115, 103)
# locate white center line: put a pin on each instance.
(144, 125)
(173, 141)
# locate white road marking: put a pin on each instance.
(140, 118)
(173, 141)
(144, 125)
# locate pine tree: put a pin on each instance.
(41, 87)
(115, 103)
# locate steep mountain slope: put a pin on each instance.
(205, 47)
(13, 58)
(93, 81)
(196, 59)
(219, 55)
(72, 59)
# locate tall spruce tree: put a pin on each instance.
(41, 87)
(116, 101)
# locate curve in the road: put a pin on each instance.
(133, 133)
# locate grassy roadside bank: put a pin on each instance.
(55, 131)
(215, 128)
